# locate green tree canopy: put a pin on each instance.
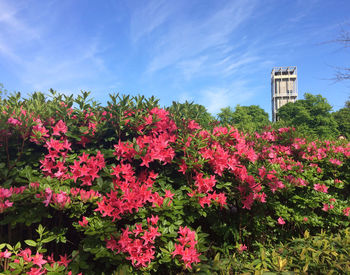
(192, 111)
(342, 117)
(311, 116)
(247, 118)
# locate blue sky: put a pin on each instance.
(216, 53)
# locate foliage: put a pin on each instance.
(318, 254)
(245, 118)
(311, 116)
(191, 111)
(342, 117)
(133, 188)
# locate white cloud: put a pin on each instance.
(233, 64)
(188, 37)
(147, 17)
(190, 67)
(8, 53)
(50, 71)
(10, 21)
(216, 98)
(13, 32)
(42, 59)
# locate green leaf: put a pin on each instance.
(18, 246)
(48, 239)
(14, 265)
(40, 229)
(30, 242)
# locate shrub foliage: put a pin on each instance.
(132, 187)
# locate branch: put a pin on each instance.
(344, 38)
(342, 74)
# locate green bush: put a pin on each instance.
(133, 187)
(319, 254)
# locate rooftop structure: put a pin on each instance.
(284, 88)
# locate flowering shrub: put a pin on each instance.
(134, 186)
(186, 247)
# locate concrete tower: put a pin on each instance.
(284, 88)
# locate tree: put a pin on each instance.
(247, 118)
(3, 91)
(342, 117)
(192, 111)
(312, 116)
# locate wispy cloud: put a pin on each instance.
(52, 71)
(6, 52)
(10, 21)
(187, 36)
(146, 18)
(215, 98)
(232, 64)
(41, 60)
(13, 32)
(207, 44)
(193, 66)
(217, 53)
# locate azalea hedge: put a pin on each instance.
(134, 188)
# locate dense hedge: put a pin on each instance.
(132, 187)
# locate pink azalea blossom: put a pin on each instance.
(5, 254)
(321, 188)
(325, 207)
(14, 121)
(346, 211)
(84, 222)
(335, 161)
(281, 221)
(242, 247)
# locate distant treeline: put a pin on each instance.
(312, 117)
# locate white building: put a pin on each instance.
(284, 88)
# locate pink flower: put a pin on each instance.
(186, 249)
(64, 261)
(335, 161)
(242, 247)
(183, 167)
(169, 195)
(36, 271)
(84, 222)
(153, 220)
(305, 219)
(192, 125)
(59, 127)
(321, 188)
(346, 211)
(14, 121)
(26, 254)
(325, 207)
(5, 254)
(281, 221)
(34, 185)
(48, 196)
(38, 260)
